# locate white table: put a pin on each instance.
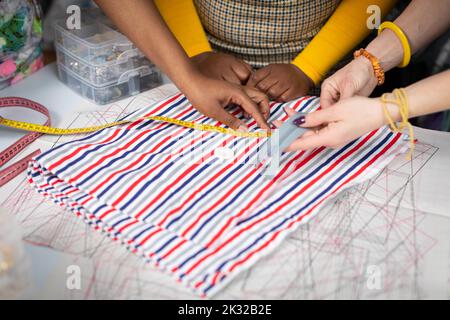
(431, 197)
(45, 88)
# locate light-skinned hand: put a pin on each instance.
(355, 79)
(334, 127)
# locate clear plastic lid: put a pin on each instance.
(94, 42)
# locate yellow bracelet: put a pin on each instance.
(403, 39)
(401, 100)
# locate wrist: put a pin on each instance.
(378, 71)
(200, 58)
(387, 49)
(366, 65)
(303, 76)
(393, 110)
(194, 84)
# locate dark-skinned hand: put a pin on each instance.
(211, 97)
(281, 82)
(221, 66)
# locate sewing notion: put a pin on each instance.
(36, 130)
(100, 63)
(279, 140)
(20, 40)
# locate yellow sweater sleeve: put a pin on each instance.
(341, 33)
(188, 30)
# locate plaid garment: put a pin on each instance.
(263, 31)
(162, 192)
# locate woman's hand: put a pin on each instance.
(221, 66)
(281, 82)
(211, 97)
(335, 127)
(355, 79)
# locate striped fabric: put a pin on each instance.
(263, 31)
(160, 190)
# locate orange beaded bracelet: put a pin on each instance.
(378, 70)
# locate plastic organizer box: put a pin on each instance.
(100, 63)
(5, 78)
(131, 83)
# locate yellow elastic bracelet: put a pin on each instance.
(403, 39)
(401, 100)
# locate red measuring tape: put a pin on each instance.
(12, 171)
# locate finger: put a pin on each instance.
(285, 96)
(309, 133)
(289, 111)
(231, 77)
(329, 95)
(261, 99)
(320, 117)
(266, 84)
(276, 90)
(252, 108)
(348, 89)
(226, 118)
(248, 66)
(258, 76)
(312, 140)
(242, 72)
(277, 123)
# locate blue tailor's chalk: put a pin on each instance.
(289, 132)
(281, 139)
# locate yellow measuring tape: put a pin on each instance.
(35, 130)
(26, 126)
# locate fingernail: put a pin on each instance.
(242, 128)
(300, 121)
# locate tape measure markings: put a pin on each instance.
(45, 129)
(37, 130)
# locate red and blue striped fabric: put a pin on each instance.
(160, 190)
